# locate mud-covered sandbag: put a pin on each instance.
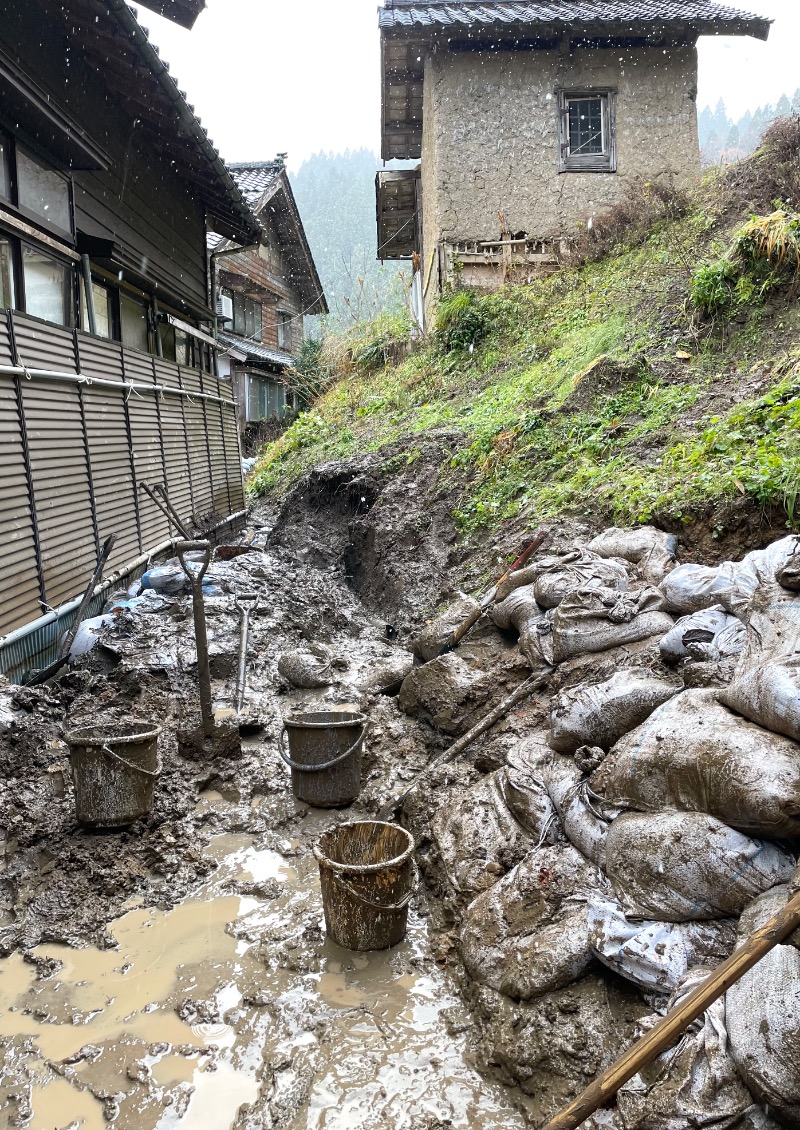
(598, 619)
(653, 551)
(520, 611)
(763, 1018)
(698, 627)
(479, 839)
(766, 684)
(444, 692)
(435, 635)
(687, 866)
(307, 667)
(528, 801)
(386, 673)
(695, 755)
(731, 584)
(598, 714)
(655, 955)
(528, 934)
(694, 1084)
(585, 820)
(575, 571)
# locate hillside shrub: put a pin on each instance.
(461, 320)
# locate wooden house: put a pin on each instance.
(264, 293)
(108, 187)
(529, 117)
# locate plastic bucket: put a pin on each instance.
(368, 876)
(114, 769)
(324, 755)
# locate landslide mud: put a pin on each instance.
(176, 974)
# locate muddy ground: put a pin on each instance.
(176, 973)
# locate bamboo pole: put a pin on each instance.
(599, 1093)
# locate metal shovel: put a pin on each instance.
(247, 603)
(222, 739)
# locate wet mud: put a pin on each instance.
(176, 973)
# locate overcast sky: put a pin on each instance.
(267, 77)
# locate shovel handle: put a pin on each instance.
(204, 547)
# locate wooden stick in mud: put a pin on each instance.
(524, 690)
(667, 1030)
(539, 538)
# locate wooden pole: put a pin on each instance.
(532, 684)
(667, 1030)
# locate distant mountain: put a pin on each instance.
(335, 193)
(722, 140)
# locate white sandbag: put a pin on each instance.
(89, 634)
(703, 626)
(732, 584)
(598, 619)
(763, 1016)
(528, 935)
(575, 571)
(726, 644)
(517, 610)
(695, 1084)
(687, 866)
(695, 755)
(435, 635)
(598, 714)
(652, 550)
(479, 839)
(655, 955)
(585, 821)
(766, 685)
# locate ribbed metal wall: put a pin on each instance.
(72, 456)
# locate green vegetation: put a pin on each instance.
(597, 390)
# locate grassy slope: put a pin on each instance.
(681, 415)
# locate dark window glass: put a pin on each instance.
(43, 191)
(239, 303)
(258, 327)
(133, 321)
(48, 286)
(5, 167)
(8, 289)
(284, 330)
(585, 126)
(168, 343)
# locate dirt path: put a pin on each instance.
(177, 974)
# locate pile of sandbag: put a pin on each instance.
(657, 810)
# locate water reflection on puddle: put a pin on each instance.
(233, 998)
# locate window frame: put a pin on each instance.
(605, 162)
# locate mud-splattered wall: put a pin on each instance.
(491, 139)
(83, 422)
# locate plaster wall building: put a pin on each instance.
(529, 119)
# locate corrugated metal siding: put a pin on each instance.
(199, 466)
(61, 487)
(144, 419)
(174, 439)
(83, 467)
(19, 577)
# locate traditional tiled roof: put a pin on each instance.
(255, 350)
(706, 15)
(253, 178)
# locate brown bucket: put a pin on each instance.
(324, 755)
(368, 877)
(114, 769)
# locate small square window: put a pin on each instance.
(587, 131)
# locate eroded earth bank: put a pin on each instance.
(605, 841)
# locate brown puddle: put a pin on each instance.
(237, 998)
